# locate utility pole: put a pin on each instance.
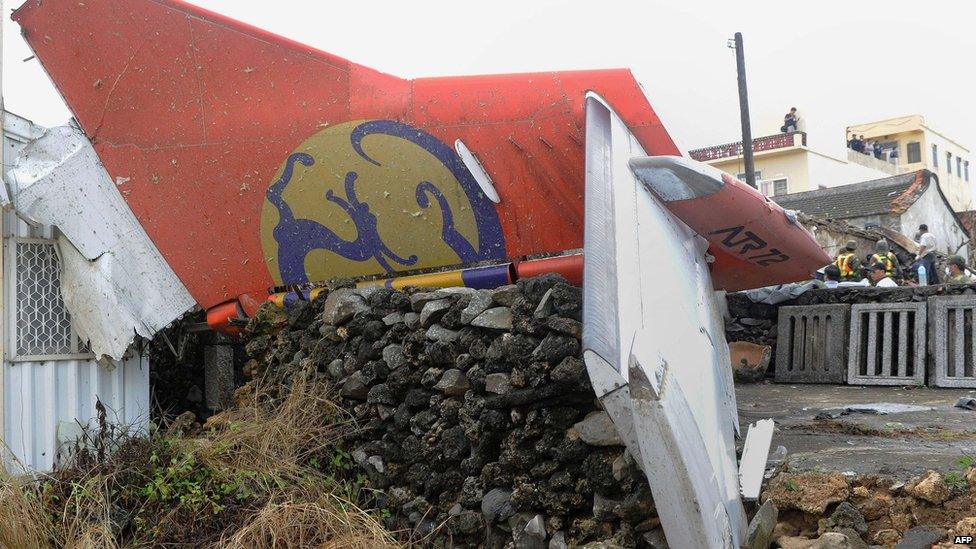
(740, 69)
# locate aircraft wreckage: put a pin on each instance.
(218, 166)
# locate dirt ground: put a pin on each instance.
(898, 444)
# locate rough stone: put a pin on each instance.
(496, 506)
(623, 466)
(480, 302)
(393, 318)
(341, 305)
(506, 295)
(419, 299)
(335, 369)
(433, 311)
(846, 516)
(496, 318)
(921, 537)
(555, 347)
(965, 527)
(655, 539)
(597, 429)
(453, 383)
(546, 305)
(808, 492)
(412, 320)
(536, 527)
(394, 356)
(760, 532)
(874, 507)
(558, 541)
(355, 387)
(497, 383)
(568, 326)
(440, 333)
(932, 488)
(830, 540)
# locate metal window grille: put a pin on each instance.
(41, 324)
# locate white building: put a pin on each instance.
(49, 382)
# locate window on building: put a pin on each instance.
(914, 152)
(780, 187)
(948, 162)
(935, 156)
(766, 187)
(742, 176)
(966, 169)
(959, 166)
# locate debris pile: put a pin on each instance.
(819, 509)
(476, 422)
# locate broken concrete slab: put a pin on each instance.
(760, 532)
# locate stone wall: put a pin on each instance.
(476, 422)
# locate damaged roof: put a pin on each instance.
(890, 195)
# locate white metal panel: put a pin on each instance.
(45, 403)
(659, 333)
(114, 281)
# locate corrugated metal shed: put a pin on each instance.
(49, 383)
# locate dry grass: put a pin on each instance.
(269, 473)
(280, 439)
(327, 523)
(23, 521)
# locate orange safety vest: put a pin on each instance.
(843, 263)
(888, 260)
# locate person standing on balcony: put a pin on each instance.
(868, 148)
(926, 256)
(790, 121)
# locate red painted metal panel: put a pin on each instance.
(753, 241)
(199, 117)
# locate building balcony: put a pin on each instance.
(759, 144)
(889, 167)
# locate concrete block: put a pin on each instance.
(952, 333)
(811, 344)
(887, 344)
(218, 372)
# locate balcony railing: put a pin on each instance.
(767, 143)
(887, 166)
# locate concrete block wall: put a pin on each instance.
(887, 344)
(811, 344)
(952, 331)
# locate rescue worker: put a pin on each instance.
(926, 253)
(879, 276)
(831, 276)
(956, 270)
(884, 256)
(848, 262)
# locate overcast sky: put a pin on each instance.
(840, 63)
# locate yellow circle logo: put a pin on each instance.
(371, 197)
